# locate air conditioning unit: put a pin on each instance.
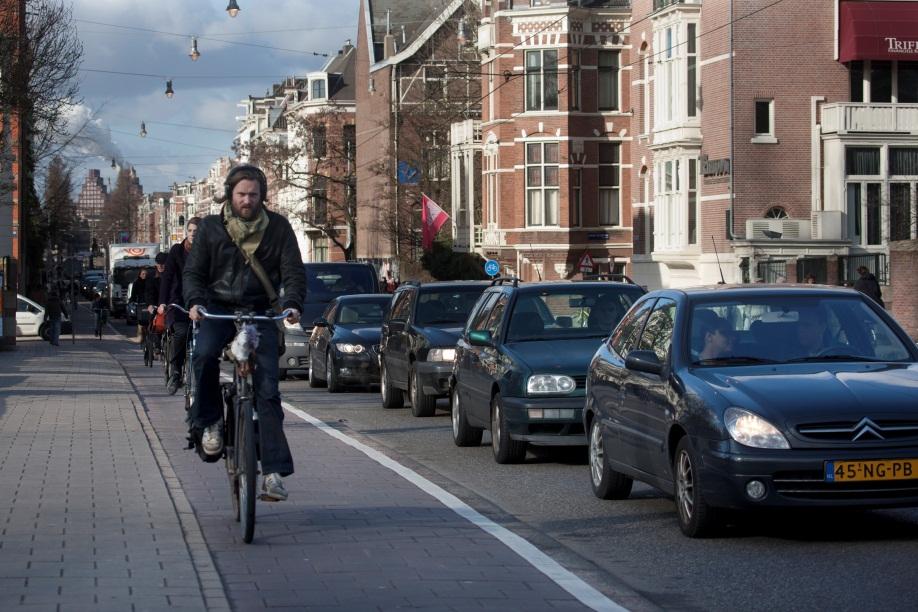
(777, 229)
(829, 225)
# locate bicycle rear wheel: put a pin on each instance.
(247, 469)
(229, 436)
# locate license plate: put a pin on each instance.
(854, 471)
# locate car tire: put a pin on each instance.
(696, 518)
(422, 405)
(44, 332)
(391, 397)
(506, 449)
(463, 433)
(606, 482)
(313, 381)
(331, 378)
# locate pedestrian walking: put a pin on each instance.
(54, 310)
(869, 285)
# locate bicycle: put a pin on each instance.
(240, 446)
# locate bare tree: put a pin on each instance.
(311, 170)
(57, 203)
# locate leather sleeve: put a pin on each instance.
(197, 266)
(293, 275)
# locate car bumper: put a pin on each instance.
(434, 377)
(560, 423)
(796, 479)
(362, 368)
(295, 356)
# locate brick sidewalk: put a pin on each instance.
(107, 510)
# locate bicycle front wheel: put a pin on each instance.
(247, 469)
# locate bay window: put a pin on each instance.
(542, 80)
(542, 183)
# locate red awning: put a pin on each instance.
(878, 31)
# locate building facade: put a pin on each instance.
(555, 138)
(771, 143)
(92, 201)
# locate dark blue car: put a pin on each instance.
(755, 396)
(521, 362)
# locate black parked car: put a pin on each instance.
(418, 341)
(344, 346)
(753, 396)
(521, 364)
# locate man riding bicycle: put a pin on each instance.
(239, 260)
(170, 292)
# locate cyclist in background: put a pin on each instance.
(170, 292)
(222, 275)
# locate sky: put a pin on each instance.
(187, 133)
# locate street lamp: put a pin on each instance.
(232, 8)
(194, 54)
(143, 129)
(169, 90)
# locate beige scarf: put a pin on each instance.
(246, 234)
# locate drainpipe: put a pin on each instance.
(730, 231)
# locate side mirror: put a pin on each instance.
(480, 338)
(644, 361)
(320, 322)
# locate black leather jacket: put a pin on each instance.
(216, 274)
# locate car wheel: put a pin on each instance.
(331, 377)
(422, 405)
(606, 482)
(391, 397)
(696, 518)
(463, 433)
(506, 450)
(314, 381)
(44, 332)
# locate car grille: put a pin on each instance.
(303, 360)
(580, 381)
(812, 485)
(865, 430)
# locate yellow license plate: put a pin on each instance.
(854, 471)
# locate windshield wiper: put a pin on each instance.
(832, 358)
(734, 360)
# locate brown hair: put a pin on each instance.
(193, 221)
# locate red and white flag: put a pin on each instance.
(432, 219)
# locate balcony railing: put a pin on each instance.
(659, 5)
(869, 117)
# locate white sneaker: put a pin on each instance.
(212, 439)
(273, 487)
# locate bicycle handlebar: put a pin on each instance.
(238, 316)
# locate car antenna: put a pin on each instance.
(537, 269)
(717, 256)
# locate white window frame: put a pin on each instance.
(616, 71)
(541, 80)
(769, 136)
(543, 190)
(603, 216)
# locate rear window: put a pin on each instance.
(326, 282)
(447, 307)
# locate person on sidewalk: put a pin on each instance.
(869, 285)
(170, 292)
(55, 309)
(240, 259)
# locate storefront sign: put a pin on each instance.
(714, 167)
(877, 31)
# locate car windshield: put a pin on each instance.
(362, 314)
(325, 283)
(447, 307)
(790, 329)
(570, 312)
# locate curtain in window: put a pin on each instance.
(862, 161)
(900, 222)
(903, 161)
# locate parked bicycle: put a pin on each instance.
(240, 421)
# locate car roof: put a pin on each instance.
(758, 290)
(572, 284)
(362, 297)
(446, 285)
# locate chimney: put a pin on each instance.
(389, 41)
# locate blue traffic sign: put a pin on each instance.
(492, 267)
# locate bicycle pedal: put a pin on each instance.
(264, 497)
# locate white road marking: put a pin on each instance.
(567, 580)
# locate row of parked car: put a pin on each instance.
(726, 397)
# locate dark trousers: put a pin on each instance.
(207, 408)
(178, 348)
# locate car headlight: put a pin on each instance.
(752, 430)
(441, 354)
(350, 349)
(550, 383)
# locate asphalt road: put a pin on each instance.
(778, 561)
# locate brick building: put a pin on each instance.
(92, 201)
(555, 139)
(783, 137)
(417, 75)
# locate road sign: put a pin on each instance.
(407, 174)
(585, 265)
(598, 236)
(492, 267)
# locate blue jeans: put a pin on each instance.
(55, 330)
(207, 408)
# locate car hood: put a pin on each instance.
(441, 336)
(357, 335)
(571, 357)
(813, 392)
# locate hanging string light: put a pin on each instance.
(169, 91)
(232, 8)
(194, 54)
(143, 129)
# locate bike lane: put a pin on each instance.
(359, 532)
